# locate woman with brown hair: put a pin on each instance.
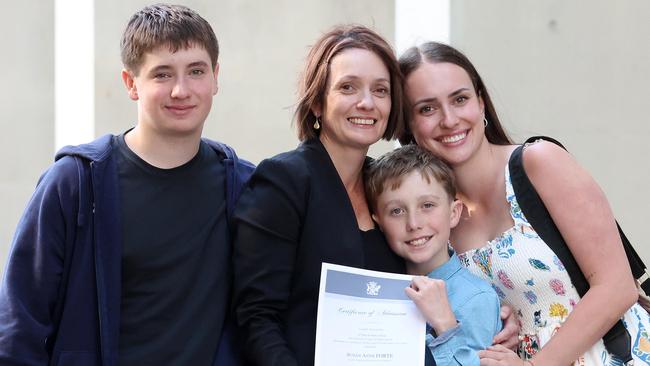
(307, 206)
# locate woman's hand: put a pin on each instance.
(499, 356)
(508, 337)
(430, 296)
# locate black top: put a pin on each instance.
(174, 224)
(294, 215)
(375, 252)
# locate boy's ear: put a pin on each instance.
(215, 85)
(375, 219)
(456, 210)
(129, 82)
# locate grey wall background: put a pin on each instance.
(26, 107)
(570, 69)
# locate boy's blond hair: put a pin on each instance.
(389, 170)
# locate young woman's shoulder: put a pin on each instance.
(544, 157)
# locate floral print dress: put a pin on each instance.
(529, 277)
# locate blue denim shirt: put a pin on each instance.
(476, 307)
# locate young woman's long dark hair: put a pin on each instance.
(434, 52)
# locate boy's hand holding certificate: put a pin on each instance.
(365, 317)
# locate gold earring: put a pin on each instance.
(317, 124)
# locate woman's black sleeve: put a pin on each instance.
(268, 222)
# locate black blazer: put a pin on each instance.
(294, 215)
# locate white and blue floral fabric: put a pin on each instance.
(528, 276)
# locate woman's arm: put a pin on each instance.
(583, 216)
(267, 222)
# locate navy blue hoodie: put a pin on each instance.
(60, 294)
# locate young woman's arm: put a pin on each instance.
(583, 216)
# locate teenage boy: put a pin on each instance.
(412, 198)
(122, 256)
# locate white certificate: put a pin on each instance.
(365, 317)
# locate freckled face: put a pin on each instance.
(447, 114)
(174, 90)
(357, 101)
(417, 218)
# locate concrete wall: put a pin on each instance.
(263, 45)
(577, 71)
(26, 107)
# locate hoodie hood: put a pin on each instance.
(96, 150)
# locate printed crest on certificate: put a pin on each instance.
(365, 318)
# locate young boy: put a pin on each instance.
(122, 256)
(412, 198)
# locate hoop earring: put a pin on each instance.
(317, 124)
(485, 122)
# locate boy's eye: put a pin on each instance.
(162, 75)
(396, 211)
(428, 205)
(197, 72)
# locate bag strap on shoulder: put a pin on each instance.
(617, 339)
(533, 205)
(538, 216)
(236, 175)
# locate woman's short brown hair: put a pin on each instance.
(389, 170)
(312, 85)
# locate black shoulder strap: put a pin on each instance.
(233, 187)
(636, 264)
(617, 340)
(233, 181)
(539, 217)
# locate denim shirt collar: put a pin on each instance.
(448, 269)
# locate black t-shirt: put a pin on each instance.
(175, 277)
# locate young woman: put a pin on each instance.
(451, 114)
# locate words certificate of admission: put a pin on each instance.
(365, 318)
